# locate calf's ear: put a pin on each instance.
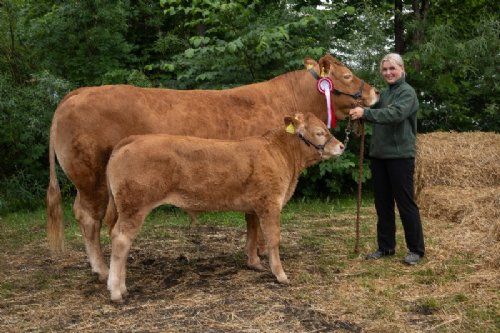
(295, 123)
(299, 118)
(289, 126)
(288, 120)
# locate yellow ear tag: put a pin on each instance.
(309, 66)
(323, 74)
(290, 129)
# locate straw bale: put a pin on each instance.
(457, 182)
(476, 209)
(469, 159)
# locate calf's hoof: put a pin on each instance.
(124, 292)
(116, 297)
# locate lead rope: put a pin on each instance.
(361, 130)
(360, 175)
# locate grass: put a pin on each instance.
(184, 278)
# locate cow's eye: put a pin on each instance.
(320, 133)
(347, 76)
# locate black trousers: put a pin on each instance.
(393, 182)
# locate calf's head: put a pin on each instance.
(348, 90)
(315, 134)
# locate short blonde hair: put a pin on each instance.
(394, 59)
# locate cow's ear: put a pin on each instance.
(309, 63)
(325, 65)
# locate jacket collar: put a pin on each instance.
(398, 82)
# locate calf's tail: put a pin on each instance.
(111, 214)
(55, 227)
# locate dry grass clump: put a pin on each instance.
(457, 182)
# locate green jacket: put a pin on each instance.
(394, 119)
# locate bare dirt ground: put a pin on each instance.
(195, 280)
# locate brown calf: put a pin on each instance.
(257, 176)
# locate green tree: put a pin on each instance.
(78, 40)
(458, 77)
(238, 42)
(14, 56)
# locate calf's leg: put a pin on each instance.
(122, 235)
(251, 244)
(270, 225)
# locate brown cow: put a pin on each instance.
(257, 176)
(90, 121)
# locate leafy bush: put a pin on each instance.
(25, 116)
(337, 175)
(122, 76)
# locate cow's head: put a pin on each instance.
(315, 134)
(349, 90)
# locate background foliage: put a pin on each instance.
(48, 47)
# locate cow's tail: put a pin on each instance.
(55, 227)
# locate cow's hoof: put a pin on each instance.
(262, 251)
(103, 277)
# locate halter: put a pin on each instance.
(356, 95)
(319, 148)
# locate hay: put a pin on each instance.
(457, 182)
(469, 159)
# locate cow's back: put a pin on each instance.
(92, 120)
(121, 110)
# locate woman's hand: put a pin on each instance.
(356, 113)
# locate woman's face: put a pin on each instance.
(391, 72)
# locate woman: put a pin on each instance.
(392, 152)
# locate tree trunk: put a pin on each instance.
(399, 38)
(420, 11)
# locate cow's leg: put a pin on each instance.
(89, 219)
(122, 235)
(270, 225)
(251, 245)
(193, 217)
(261, 243)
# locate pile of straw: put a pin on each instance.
(457, 182)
